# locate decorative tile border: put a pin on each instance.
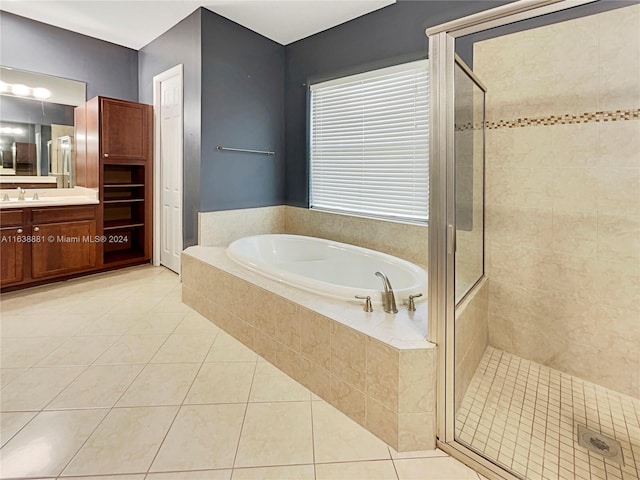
(566, 119)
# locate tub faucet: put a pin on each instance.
(21, 193)
(389, 299)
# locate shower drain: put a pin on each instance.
(601, 444)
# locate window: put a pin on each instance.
(370, 144)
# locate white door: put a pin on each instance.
(169, 128)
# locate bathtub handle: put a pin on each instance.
(367, 304)
(412, 303)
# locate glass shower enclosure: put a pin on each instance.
(535, 239)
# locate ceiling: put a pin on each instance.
(136, 23)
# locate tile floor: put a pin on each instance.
(525, 415)
(111, 377)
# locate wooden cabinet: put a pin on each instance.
(70, 241)
(117, 158)
(39, 244)
(125, 130)
(11, 247)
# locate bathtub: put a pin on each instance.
(331, 269)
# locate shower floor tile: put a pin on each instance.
(525, 416)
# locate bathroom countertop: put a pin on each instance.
(404, 330)
(49, 197)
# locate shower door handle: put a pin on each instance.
(451, 240)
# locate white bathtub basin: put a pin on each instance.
(328, 268)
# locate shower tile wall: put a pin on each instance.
(471, 337)
(563, 195)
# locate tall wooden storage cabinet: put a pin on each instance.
(114, 154)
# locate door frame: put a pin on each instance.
(178, 70)
(442, 59)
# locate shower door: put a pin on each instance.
(541, 376)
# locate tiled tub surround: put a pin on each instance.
(563, 201)
(376, 368)
(407, 241)
(403, 240)
(222, 228)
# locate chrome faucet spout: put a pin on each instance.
(389, 299)
(21, 192)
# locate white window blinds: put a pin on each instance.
(370, 143)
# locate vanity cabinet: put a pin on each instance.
(40, 244)
(116, 156)
(11, 250)
(74, 248)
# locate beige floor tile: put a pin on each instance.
(79, 351)
(48, 442)
(110, 477)
(99, 386)
(37, 387)
(25, 352)
(12, 422)
(202, 437)
(290, 472)
(108, 324)
(417, 454)
(160, 384)
(39, 325)
(132, 349)
(102, 304)
(222, 383)
(195, 324)
(155, 323)
(337, 438)
(184, 349)
(16, 302)
(8, 375)
(197, 475)
(137, 304)
(376, 469)
(125, 442)
(171, 305)
(272, 385)
(159, 286)
(443, 468)
(122, 291)
(228, 349)
(276, 434)
(48, 307)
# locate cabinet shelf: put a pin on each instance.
(123, 200)
(122, 185)
(123, 256)
(118, 224)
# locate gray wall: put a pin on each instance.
(108, 69)
(242, 107)
(392, 35)
(181, 45)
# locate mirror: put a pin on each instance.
(36, 129)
